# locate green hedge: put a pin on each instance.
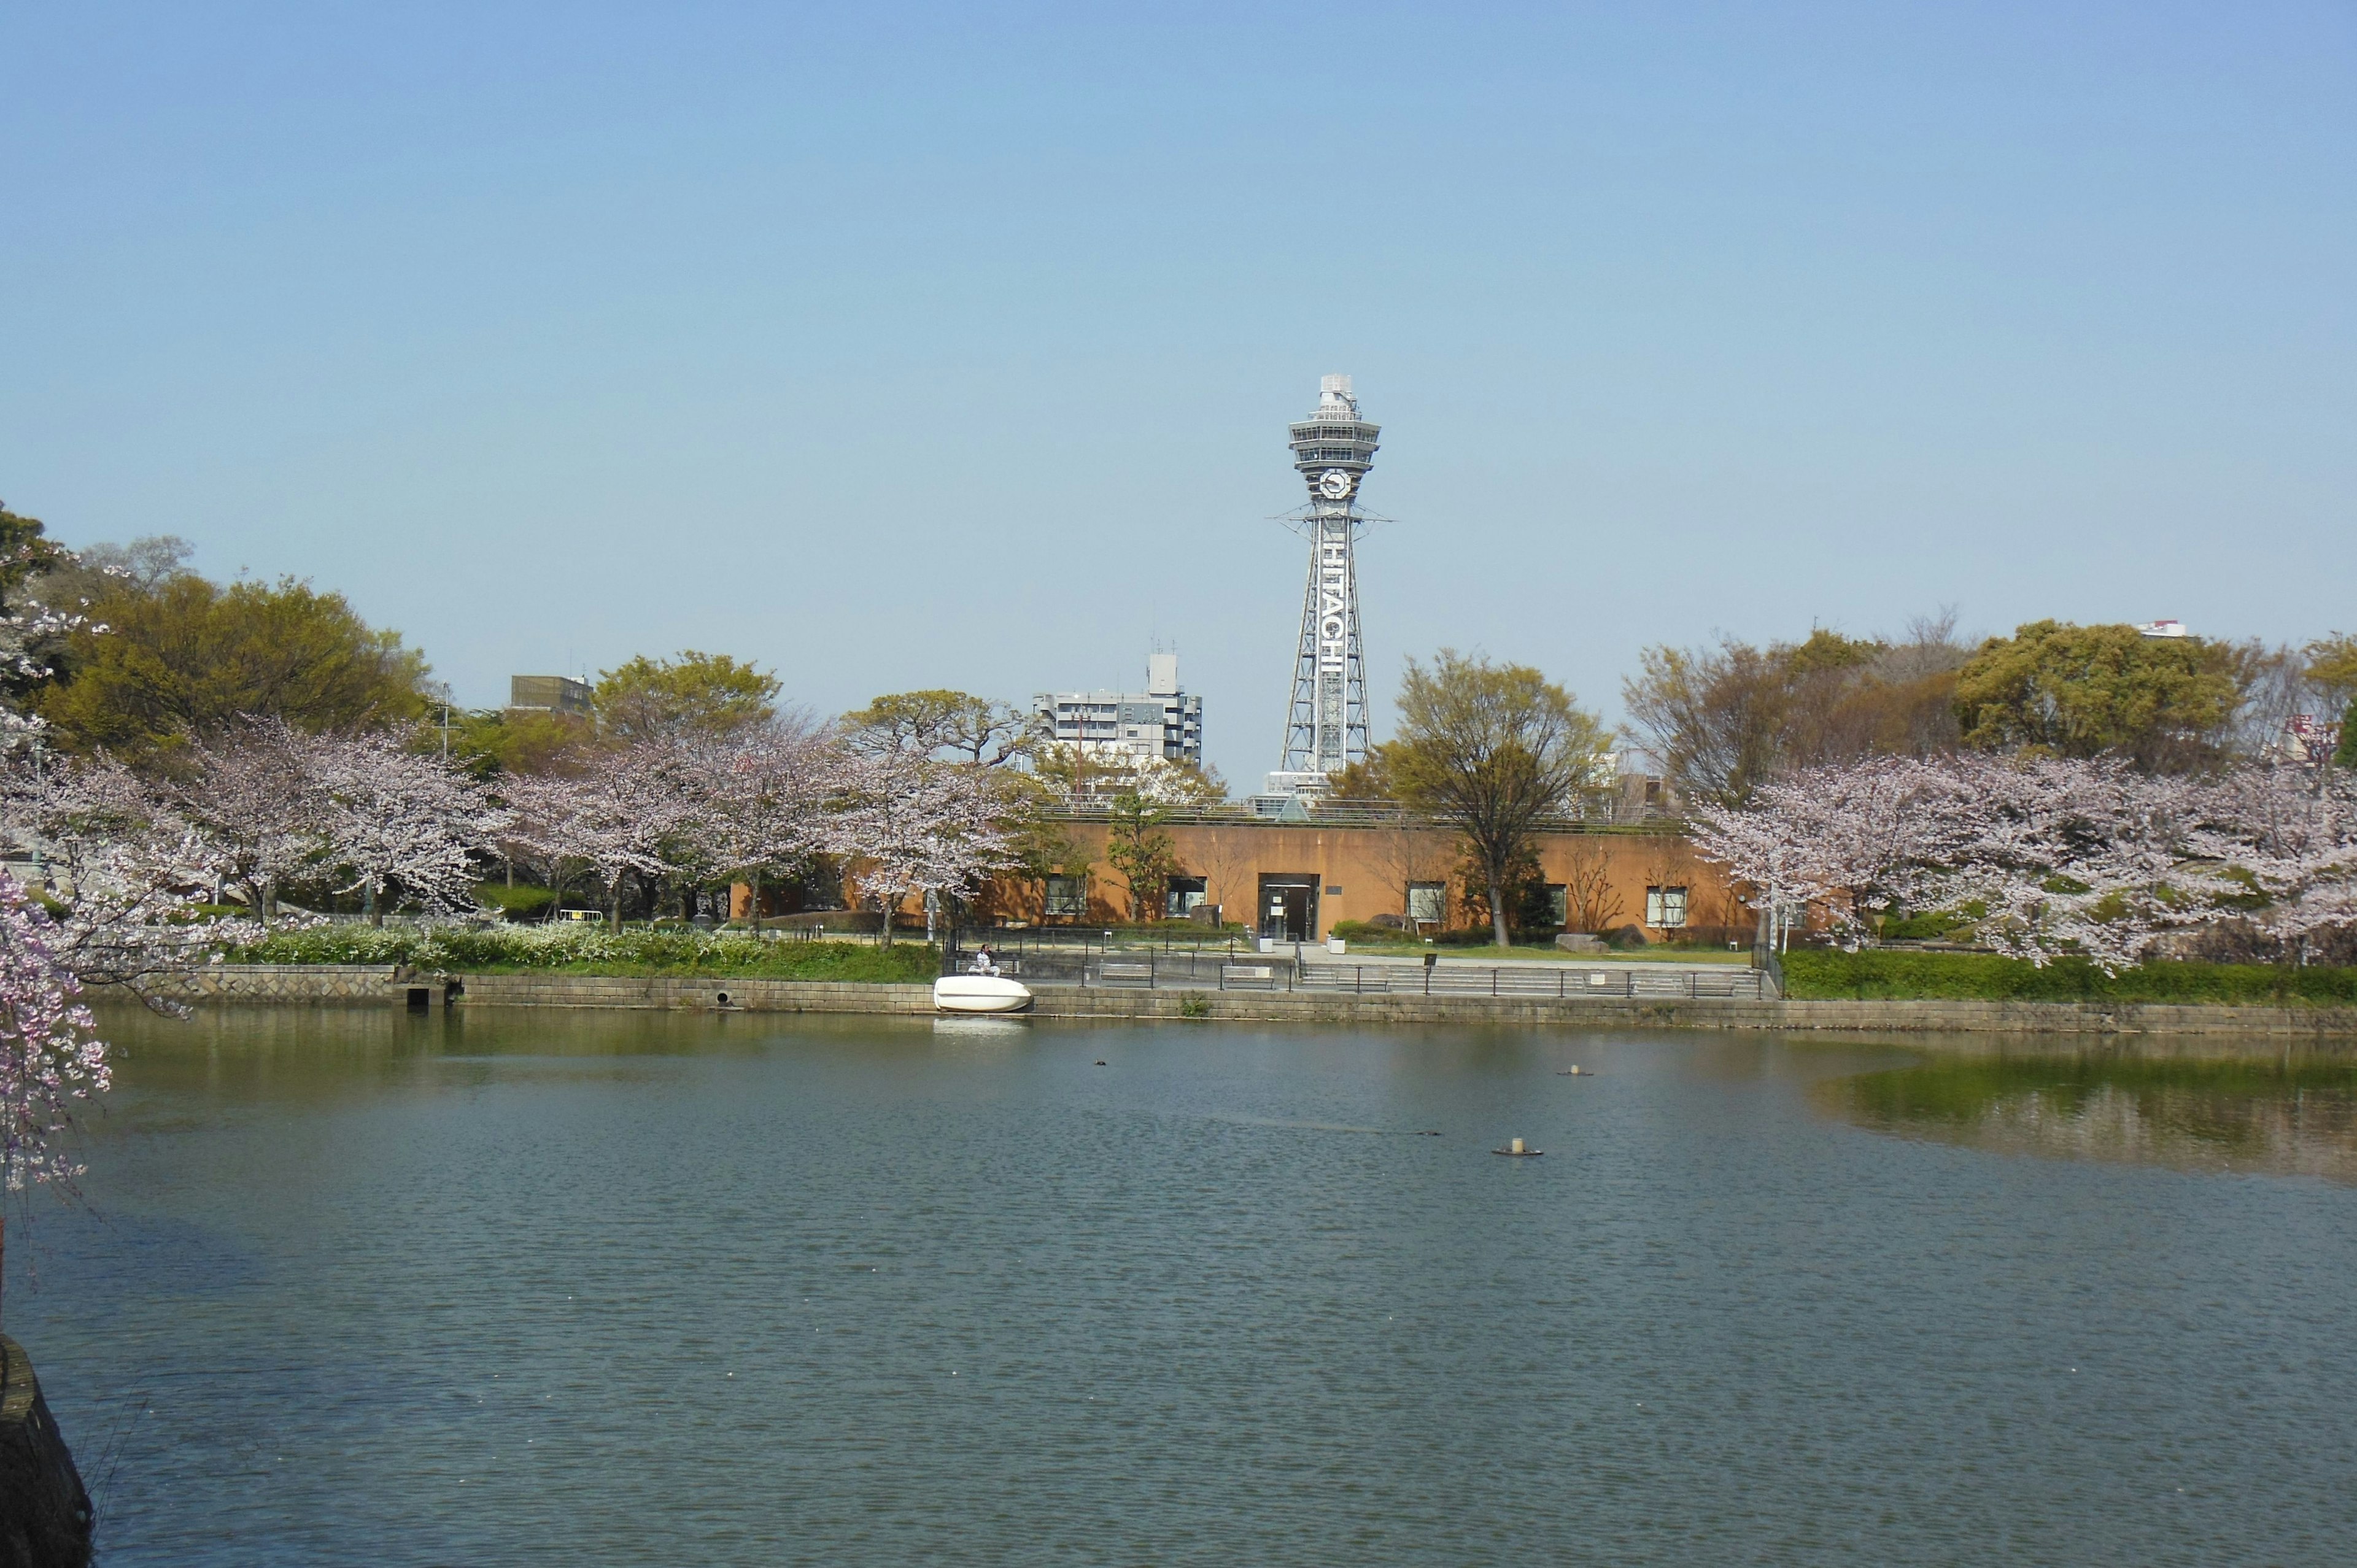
(1814, 974)
(587, 949)
(520, 903)
(1368, 932)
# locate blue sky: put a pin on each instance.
(900, 346)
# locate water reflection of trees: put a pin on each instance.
(330, 1053)
(2278, 1119)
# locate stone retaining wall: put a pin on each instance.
(45, 1514)
(1880, 1017)
(287, 983)
(726, 994)
(386, 983)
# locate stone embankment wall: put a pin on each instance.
(285, 982)
(387, 984)
(2335, 1024)
(729, 994)
(45, 1514)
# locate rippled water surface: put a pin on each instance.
(551, 1287)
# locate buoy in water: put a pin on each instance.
(1568, 1072)
(1100, 1064)
(1515, 1148)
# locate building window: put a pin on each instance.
(1068, 896)
(1558, 904)
(1427, 902)
(1665, 906)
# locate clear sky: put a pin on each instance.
(895, 346)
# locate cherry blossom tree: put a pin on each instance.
(762, 798)
(915, 826)
(2054, 855)
(2289, 836)
(253, 794)
(50, 1055)
(396, 819)
(616, 815)
(121, 872)
(1851, 841)
(120, 868)
(2084, 857)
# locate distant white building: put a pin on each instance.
(2163, 629)
(1161, 724)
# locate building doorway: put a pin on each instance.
(1289, 905)
(1185, 897)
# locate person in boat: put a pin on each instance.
(983, 962)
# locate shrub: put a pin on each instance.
(1369, 931)
(1816, 974)
(522, 903)
(590, 950)
(1926, 927)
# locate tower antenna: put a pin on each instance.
(1325, 722)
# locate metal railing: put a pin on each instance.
(1565, 982)
(1290, 968)
(1174, 939)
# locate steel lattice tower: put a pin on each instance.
(1326, 725)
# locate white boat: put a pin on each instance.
(980, 994)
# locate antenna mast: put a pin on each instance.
(1326, 723)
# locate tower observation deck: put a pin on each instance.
(1325, 722)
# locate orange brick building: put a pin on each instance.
(1298, 880)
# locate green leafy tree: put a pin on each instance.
(30, 642)
(2057, 690)
(1039, 838)
(955, 726)
(2332, 668)
(2332, 672)
(189, 657)
(26, 551)
(675, 699)
(1490, 750)
(1368, 779)
(1136, 847)
(518, 740)
(1524, 891)
(1073, 772)
(1726, 719)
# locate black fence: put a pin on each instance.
(1092, 962)
(1563, 981)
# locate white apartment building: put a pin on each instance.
(1161, 724)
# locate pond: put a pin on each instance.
(570, 1287)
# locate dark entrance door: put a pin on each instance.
(1289, 905)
